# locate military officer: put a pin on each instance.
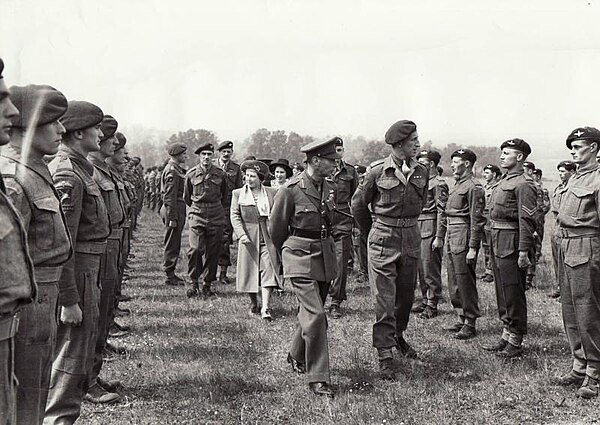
(205, 193)
(31, 189)
(464, 211)
(233, 178)
(579, 262)
(79, 294)
(359, 239)
(491, 175)
(391, 199)
(17, 284)
(565, 170)
(432, 225)
(301, 228)
(173, 210)
(512, 220)
(346, 179)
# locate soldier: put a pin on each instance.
(565, 170)
(512, 215)
(17, 285)
(432, 225)
(173, 210)
(346, 180)
(156, 188)
(393, 193)
(79, 295)
(205, 193)
(301, 228)
(31, 189)
(464, 211)
(148, 177)
(579, 262)
(543, 206)
(233, 178)
(109, 263)
(491, 175)
(360, 240)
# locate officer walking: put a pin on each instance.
(205, 193)
(233, 179)
(512, 220)
(579, 262)
(17, 284)
(173, 210)
(31, 189)
(346, 180)
(464, 210)
(394, 193)
(301, 227)
(491, 175)
(432, 225)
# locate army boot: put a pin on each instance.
(386, 364)
(223, 276)
(193, 290)
(589, 388)
(571, 378)
(206, 291)
(404, 348)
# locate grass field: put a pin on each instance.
(209, 362)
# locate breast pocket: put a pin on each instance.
(579, 200)
(198, 185)
(95, 200)
(47, 219)
(387, 188)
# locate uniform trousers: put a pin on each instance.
(579, 268)
(75, 347)
(172, 239)
(393, 264)
(430, 265)
(555, 245)
(8, 381)
(343, 246)
(309, 344)
(225, 254)
(487, 240)
(203, 254)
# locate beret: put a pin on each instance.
(517, 144)
(81, 115)
(122, 140)
(227, 144)
(324, 149)
(109, 127)
(569, 165)
(431, 155)
(584, 133)
(51, 104)
(466, 154)
(529, 164)
(1, 68)
(176, 148)
(400, 131)
(493, 168)
(360, 169)
(537, 172)
(205, 147)
(260, 167)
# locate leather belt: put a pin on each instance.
(458, 220)
(310, 234)
(50, 274)
(205, 204)
(9, 326)
(427, 216)
(397, 222)
(577, 232)
(504, 225)
(90, 247)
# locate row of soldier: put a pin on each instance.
(69, 203)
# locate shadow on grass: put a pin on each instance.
(194, 350)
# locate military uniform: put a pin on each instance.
(87, 219)
(300, 226)
(346, 181)
(31, 189)
(173, 214)
(487, 236)
(205, 193)
(557, 196)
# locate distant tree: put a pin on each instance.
(374, 150)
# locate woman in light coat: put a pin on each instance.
(258, 263)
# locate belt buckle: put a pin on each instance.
(323, 233)
(402, 222)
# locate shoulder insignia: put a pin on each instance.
(8, 166)
(61, 162)
(376, 163)
(528, 211)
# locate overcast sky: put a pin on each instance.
(475, 72)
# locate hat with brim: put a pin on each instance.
(283, 163)
(322, 149)
(260, 167)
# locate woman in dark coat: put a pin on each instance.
(258, 263)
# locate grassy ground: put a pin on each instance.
(195, 362)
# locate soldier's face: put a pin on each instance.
(426, 162)
(408, 148)
(226, 154)
(280, 174)
(46, 138)
(509, 158)
(206, 158)
(488, 175)
(8, 112)
(582, 151)
(182, 157)
(458, 166)
(324, 166)
(564, 174)
(90, 138)
(107, 147)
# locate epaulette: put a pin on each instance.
(376, 163)
(8, 166)
(61, 162)
(527, 177)
(191, 170)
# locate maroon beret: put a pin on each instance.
(122, 140)
(37, 105)
(227, 144)
(205, 147)
(431, 155)
(81, 115)
(176, 148)
(400, 131)
(517, 144)
(584, 133)
(529, 164)
(109, 127)
(569, 165)
(466, 154)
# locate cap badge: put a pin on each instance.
(578, 133)
(461, 151)
(511, 142)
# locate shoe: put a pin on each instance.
(466, 332)
(297, 367)
(115, 349)
(554, 294)
(322, 388)
(110, 386)
(386, 369)
(571, 378)
(171, 281)
(454, 328)
(192, 292)
(266, 315)
(405, 349)
(116, 333)
(254, 309)
(224, 280)
(498, 346)
(488, 278)
(419, 308)
(124, 298)
(510, 351)
(589, 388)
(120, 327)
(98, 395)
(335, 311)
(206, 291)
(428, 313)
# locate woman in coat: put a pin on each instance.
(258, 263)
